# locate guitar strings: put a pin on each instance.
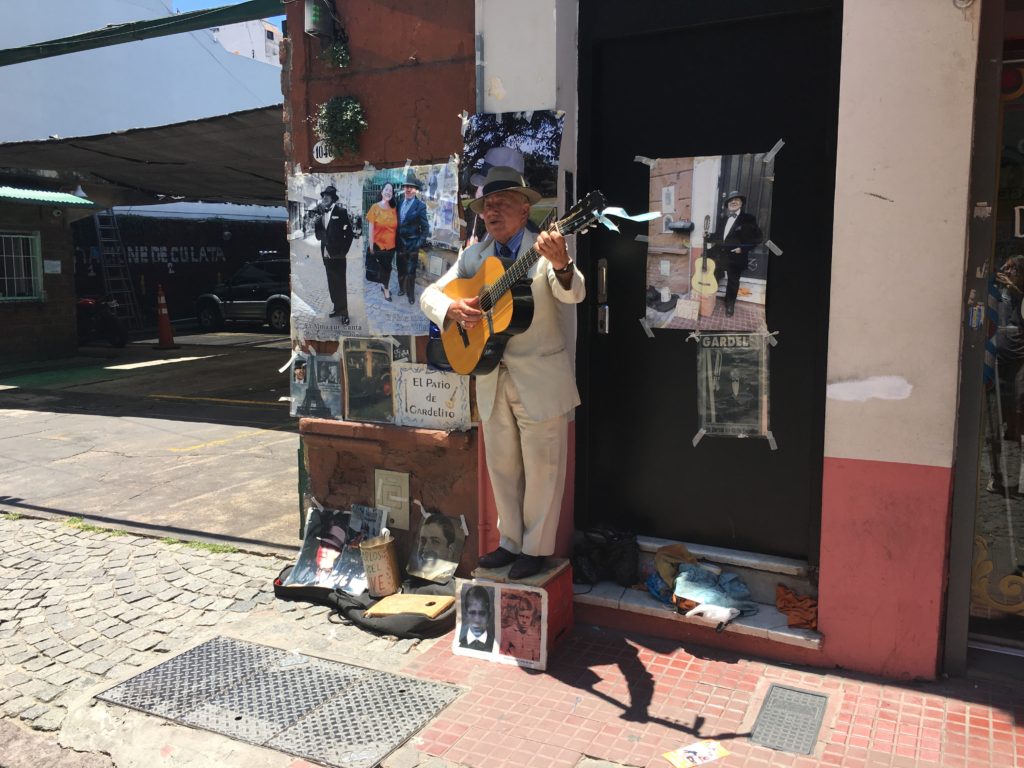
(489, 296)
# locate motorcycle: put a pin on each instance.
(97, 318)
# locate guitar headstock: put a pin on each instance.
(582, 215)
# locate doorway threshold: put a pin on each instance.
(768, 623)
(761, 573)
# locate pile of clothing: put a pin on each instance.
(698, 589)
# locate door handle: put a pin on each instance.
(602, 281)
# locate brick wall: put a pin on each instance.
(35, 330)
(413, 72)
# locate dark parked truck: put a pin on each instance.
(256, 293)
(186, 257)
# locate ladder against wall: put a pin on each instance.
(117, 281)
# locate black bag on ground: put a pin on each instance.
(351, 609)
(605, 554)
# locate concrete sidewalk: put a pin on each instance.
(85, 609)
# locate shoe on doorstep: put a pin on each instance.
(499, 558)
(526, 566)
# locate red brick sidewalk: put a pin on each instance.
(628, 699)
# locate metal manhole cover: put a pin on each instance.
(789, 720)
(336, 714)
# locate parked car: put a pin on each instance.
(257, 293)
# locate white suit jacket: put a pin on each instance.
(540, 358)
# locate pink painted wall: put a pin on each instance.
(884, 544)
(488, 515)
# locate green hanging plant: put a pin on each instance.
(337, 53)
(339, 122)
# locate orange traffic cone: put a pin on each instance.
(163, 321)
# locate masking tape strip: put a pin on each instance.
(774, 151)
(419, 504)
(768, 335)
(317, 504)
(697, 438)
(647, 327)
(284, 399)
(771, 441)
(465, 528)
(773, 248)
(464, 118)
(694, 336)
(645, 160)
(643, 239)
(287, 365)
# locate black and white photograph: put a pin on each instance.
(732, 384)
(315, 386)
(437, 548)
(707, 256)
(366, 370)
(475, 619)
(326, 238)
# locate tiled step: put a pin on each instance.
(760, 572)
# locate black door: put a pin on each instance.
(677, 80)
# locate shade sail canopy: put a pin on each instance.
(237, 158)
(41, 197)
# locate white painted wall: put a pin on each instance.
(250, 39)
(901, 212)
(519, 54)
(135, 85)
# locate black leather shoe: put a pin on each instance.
(730, 310)
(526, 566)
(499, 558)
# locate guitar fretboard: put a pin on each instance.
(489, 297)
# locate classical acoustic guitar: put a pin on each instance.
(704, 282)
(505, 298)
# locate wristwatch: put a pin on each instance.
(564, 270)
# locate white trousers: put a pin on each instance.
(526, 463)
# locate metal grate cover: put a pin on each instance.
(336, 714)
(789, 720)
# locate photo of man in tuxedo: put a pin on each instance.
(335, 231)
(413, 231)
(740, 234)
(477, 619)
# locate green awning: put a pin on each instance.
(41, 197)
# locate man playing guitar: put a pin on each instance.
(526, 400)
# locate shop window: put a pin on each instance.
(21, 267)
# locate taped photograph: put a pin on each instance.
(732, 384)
(316, 386)
(527, 142)
(366, 370)
(523, 627)
(437, 549)
(707, 256)
(474, 621)
(411, 228)
(325, 239)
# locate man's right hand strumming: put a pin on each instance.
(465, 312)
